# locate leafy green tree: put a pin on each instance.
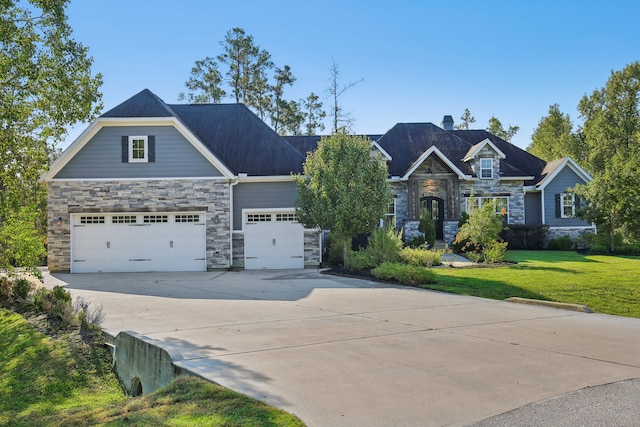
(313, 114)
(343, 188)
(205, 83)
(482, 233)
(611, 134)
(466, 120)
(554, 138)
(283, 113)
(46, 86)
(254, 80)
(21, 243)
(496, 128)
(612, 118)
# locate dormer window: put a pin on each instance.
(486, 168)
(138, 149)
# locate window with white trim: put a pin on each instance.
(252, 218)
(152, 219)
(286, 217)
(187, 218)
(138, 149)
(501, 204)
(389, 219)
(123, 219)
(567, 205)
(92, 219)
(486, 168)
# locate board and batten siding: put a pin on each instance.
(261, 195)
(566, 179)
(532, 208)
(101, 157)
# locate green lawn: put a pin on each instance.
(606, 284)
(63, 382)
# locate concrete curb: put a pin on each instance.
(560, 305)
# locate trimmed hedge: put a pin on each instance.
(526, 236)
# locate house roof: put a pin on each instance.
(516, 163)
(306, 143)
(229, 131)
(553, 168)
(406, 142)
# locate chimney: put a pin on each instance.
(447, 123)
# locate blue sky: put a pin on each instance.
(419, 60)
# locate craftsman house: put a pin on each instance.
(150, 186)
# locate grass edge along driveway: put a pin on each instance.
(606, 284)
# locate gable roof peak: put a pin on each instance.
(143, 104)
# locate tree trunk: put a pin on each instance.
(345, 253)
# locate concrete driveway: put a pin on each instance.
(347, 352)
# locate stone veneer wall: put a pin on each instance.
(399, 191)
(487, 187)
(312, 255)
(141, 195)
(574, 232)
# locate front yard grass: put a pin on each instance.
(606, 284)
(60, 381)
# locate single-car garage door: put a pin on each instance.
(130, 242)
(273, 240)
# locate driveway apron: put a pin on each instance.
(346, 352)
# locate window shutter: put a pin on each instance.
(558, 207)
(151, 141)
(125, 149)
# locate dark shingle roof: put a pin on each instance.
(518, 162)
(235, 135)
(306, 143)
(405, 143)
(142, 104)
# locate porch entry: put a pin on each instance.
(435, 206)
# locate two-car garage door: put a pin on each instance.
(130, 242)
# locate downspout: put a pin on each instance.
(544, 221)
(231, 210)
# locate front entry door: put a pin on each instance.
(435, 206)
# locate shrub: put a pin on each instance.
(598, 249)
(417, 242)
(21, 289)
(526, 236)
(562, 243)
(628, 249)
(495, 251)
(404, 274)
(89, 317)
(55, 303)
(420, 257)
(334, 251)
(482, 230)
(360, 260)
(385, 245)
(428, 228)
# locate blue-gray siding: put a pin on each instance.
(101, 157)
(532, 208)
(566, 179)
(261, 195)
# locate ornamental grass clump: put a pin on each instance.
(420, 257)
(404, 274)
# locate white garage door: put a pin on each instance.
(273, 240)
(138, 242)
